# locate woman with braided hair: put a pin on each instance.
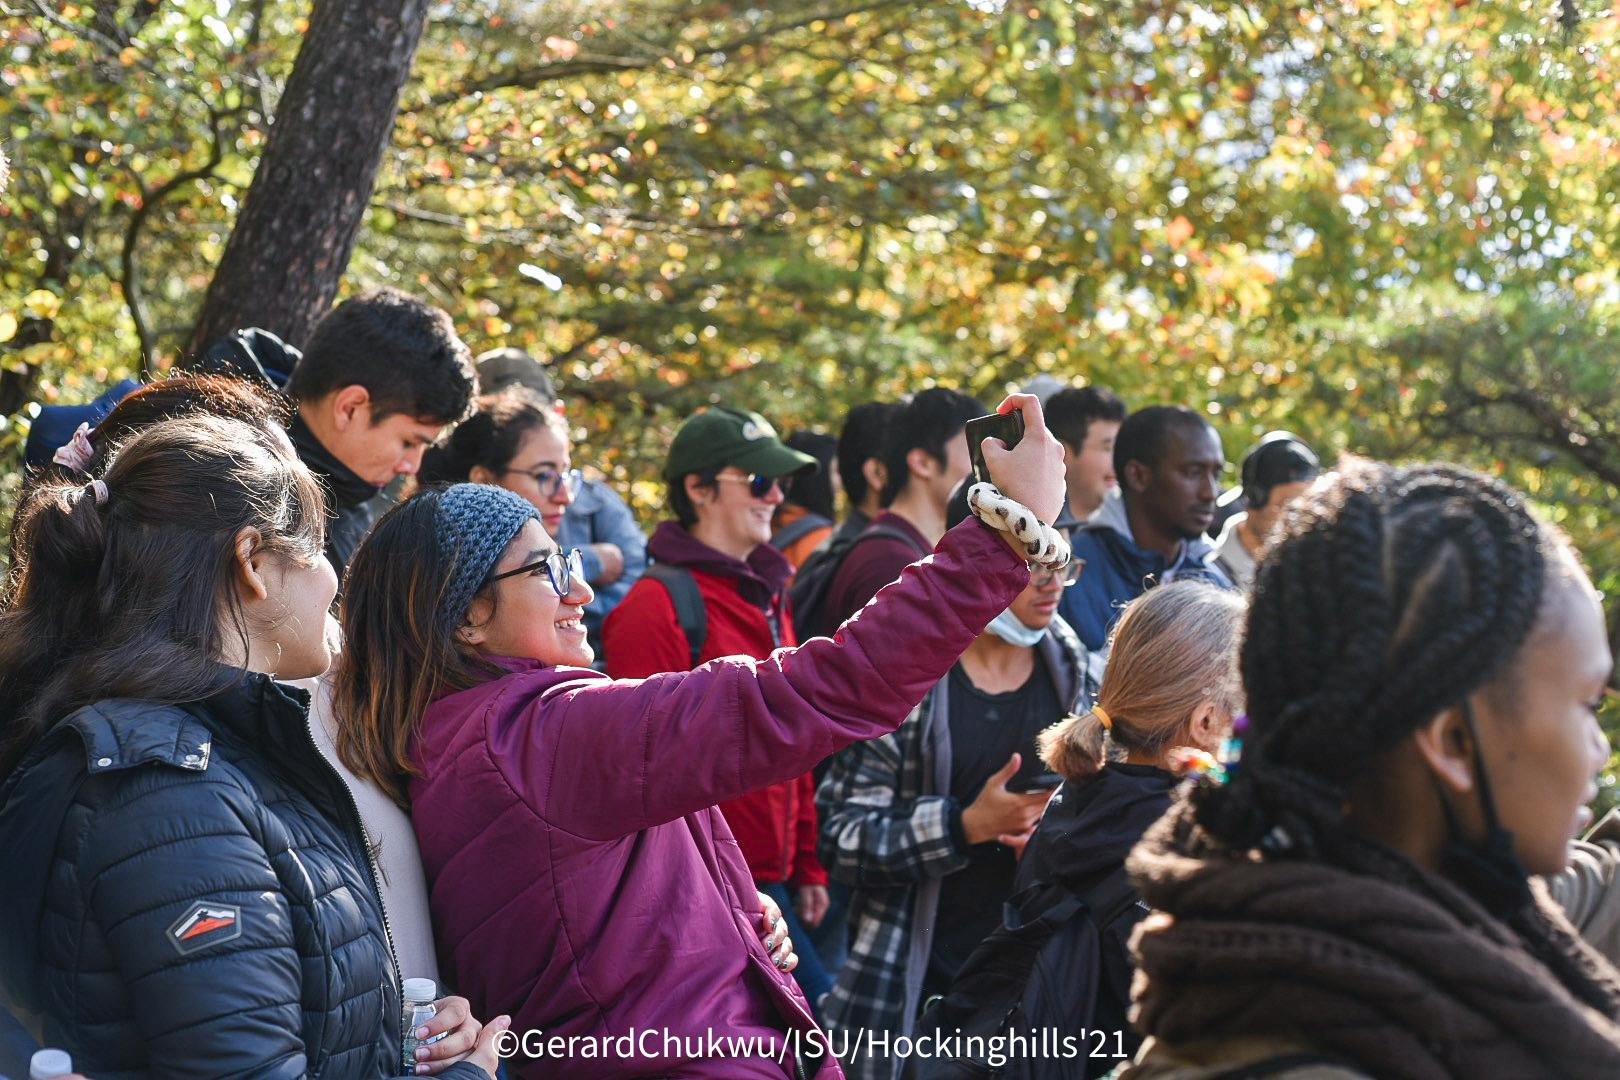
(1422, 662)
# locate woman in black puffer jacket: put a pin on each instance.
(188, 890)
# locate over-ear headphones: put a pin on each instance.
(1290, 460)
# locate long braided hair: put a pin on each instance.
(1392, 594)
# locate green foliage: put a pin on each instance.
(1386, 225)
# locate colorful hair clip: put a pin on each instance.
(1189, 761)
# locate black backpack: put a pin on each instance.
(813, 581)
(1043, 969)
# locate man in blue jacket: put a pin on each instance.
(1151, 531)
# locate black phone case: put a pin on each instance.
(1008, 427)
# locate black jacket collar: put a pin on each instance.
(348, 490)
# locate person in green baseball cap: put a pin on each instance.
(718, 588)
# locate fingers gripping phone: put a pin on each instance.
(1008, 427)
(1029, 785)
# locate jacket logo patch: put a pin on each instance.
(205, 925)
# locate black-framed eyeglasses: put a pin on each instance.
(550, 481)
(759, 485)
(558, 567)
(1065, 577)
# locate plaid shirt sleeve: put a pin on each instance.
(875, 829)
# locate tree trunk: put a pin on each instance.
(297, 228)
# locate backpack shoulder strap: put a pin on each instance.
(1110, 898)
(791, 534)
(683, 593)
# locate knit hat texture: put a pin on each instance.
(473, 524)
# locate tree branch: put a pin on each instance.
(128, 260)
(526, 78)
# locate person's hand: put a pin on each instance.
(612, 560)
(1031, 472)
(453, 1017)
(1017, 842)
(1002, 815)
(487, 1054)
(810, 904)
(775, 935)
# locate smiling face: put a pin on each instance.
(523, 616)
(542, 450)
(1539, 731)
(730, 518)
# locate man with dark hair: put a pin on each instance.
(382, 376)
(925, 455)
(1086, 421)
(1151, 531)
(1276, 471)
(860, 463)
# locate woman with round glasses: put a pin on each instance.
(515, 440)
(926, 823)
(578, 869)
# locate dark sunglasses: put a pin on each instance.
(550, 481)
(558, 567)
(760, 486)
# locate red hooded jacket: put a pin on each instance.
(775, 826)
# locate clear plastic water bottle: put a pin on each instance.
(48, 1064)
(416, 1009)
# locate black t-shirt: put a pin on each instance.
(986, 729)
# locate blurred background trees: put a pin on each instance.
(1389, 226)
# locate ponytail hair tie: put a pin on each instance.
(1102, 717)
(77, 451)
(97, 489)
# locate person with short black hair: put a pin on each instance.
(1276, 470)
(1169, 461)
(1086, 421)
(925, 455)
(860, 463)
(382, 375)
(1423, 661)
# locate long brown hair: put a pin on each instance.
(398, 656)
(1174, 647)
(123, 597)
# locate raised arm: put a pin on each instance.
(605, 759)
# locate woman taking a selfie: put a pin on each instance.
(1422, 663)
(578, 870)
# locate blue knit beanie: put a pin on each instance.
(473, 524)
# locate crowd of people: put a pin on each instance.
(325, 669)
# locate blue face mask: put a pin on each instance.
(1009, 628)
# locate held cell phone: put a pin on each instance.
(1029, 785)
(1008, 427)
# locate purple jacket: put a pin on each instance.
(579, 875)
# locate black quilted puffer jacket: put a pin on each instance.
(187, 893)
